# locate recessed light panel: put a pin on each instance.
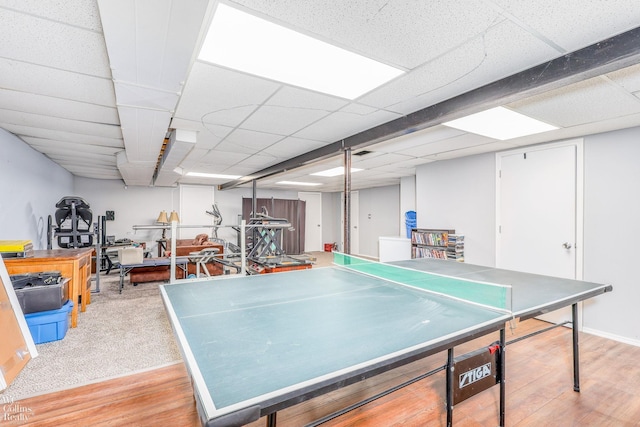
(500, 123)
(335, 171)
(212, 175)
(310, 184)
(247, 43)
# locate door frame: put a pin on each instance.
(312, 194)
(578, 143)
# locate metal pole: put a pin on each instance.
(174, 233)
(576, 351)
(243, 245)
(347, 201)
(503, 374)
(254, 212)
(97, 228)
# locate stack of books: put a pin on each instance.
(16, 248)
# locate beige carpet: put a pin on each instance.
(118, 334)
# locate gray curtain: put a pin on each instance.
(292, 210)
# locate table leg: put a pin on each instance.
(503, 370)
(576, 352)
(271, 420)
(74, 292)
(449, 384)
(122, 274)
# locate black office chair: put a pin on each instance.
(73, 223)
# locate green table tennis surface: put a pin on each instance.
(260, 343)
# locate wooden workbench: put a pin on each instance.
(72, 263)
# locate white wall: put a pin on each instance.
(331, 217)
(611, 230)
(378, 216)
(460, 194)
(379, 210)
(133, 205)
(30, 187)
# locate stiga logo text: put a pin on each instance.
(476, 374)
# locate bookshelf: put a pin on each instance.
(437, 243)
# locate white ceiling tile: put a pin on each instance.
(248, 141)
(39, 79)
(209, 135)
(343, 124)
(92, 172)
(28, 131)
(57, 107)
(222, 97)
(374, 160)
(80, 13)
(258, 161)
(291, 147)
(446, 145)
(486, 58)
(58, 124)
(151, 42)
(135, 173)
(217, 159)
(401, 33)
(628, 78)
(40, 41)
(283, 120)
(143, 132)
(293, 97)
(473, 150)
(48, 145)
(81, 159)
(574, 24)
(583, 102)
(416, 139)
(143, 97)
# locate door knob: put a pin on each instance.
(566, 245)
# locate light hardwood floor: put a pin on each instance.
(539, 392)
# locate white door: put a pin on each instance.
(312, 221)
(355, 214)
(537, 209)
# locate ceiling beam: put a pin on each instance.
(600, 58)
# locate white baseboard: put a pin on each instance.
(614, 337)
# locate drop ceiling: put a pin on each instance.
(97, 85)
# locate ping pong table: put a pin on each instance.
(255, 345)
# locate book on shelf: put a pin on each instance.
(434, 243)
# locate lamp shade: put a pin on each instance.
(162, 218)
(174, 217)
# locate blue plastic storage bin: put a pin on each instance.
(51, 325)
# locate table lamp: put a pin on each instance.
(162, 219)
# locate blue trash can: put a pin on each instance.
(410, 221)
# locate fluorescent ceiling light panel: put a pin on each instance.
(212, 175)
(335, 171)
(247, 43)
(298, 183)
(500, 123)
